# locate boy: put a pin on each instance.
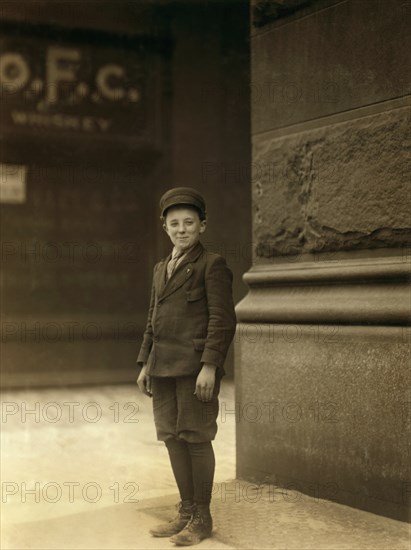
(191, 323)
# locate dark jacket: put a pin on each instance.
(191, 318)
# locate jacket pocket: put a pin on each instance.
(199, 343)
(195, 294)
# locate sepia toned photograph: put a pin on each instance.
(205, 279)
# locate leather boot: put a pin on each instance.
(198, 528)
(175, 525)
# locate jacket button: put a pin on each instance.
(155, 339)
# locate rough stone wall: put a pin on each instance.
(340, 187)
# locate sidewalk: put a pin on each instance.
(98, 479)
(307, 524)
(80, 466)
(248, 518)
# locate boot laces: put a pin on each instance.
(194, 521)
(180, 512)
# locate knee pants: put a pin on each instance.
(178, 413)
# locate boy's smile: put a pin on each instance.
(183, 226)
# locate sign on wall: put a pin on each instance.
(65, 89)
(12, 183)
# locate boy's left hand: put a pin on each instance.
(205, 382)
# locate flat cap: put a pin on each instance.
(182, 195)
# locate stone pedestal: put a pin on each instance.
(323, 398)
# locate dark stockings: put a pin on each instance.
(193, 466)
(181, 464)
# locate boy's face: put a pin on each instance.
(183, 226)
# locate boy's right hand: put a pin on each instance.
(144, 382)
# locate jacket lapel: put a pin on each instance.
(182, 272)
(161, 275)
